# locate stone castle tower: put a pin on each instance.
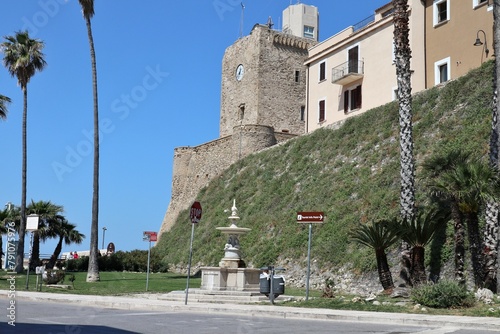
(263, 95)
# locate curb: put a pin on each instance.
(286, 312)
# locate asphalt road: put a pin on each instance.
(57, 318)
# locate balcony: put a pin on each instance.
(348, 72)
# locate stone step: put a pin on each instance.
(196, 295)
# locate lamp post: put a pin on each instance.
(32, 226)
(478, 42)
(103, 233)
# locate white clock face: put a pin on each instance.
(240, 71)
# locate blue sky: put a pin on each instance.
(159, 75)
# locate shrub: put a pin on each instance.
(444, 294)
(136, 260)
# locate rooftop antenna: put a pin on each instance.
(242, 16)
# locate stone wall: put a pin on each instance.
(195, 167)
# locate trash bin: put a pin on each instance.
(265, 284)
(278, 285)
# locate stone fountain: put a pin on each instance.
(231, 275)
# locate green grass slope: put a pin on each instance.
(352, 174)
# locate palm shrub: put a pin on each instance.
(379, 235)
(418, 232)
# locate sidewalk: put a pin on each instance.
(260, 310)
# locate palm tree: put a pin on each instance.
(379, 235)
(23, 57)
(491, 240)
(68, 234)
(48, 214)
(93, 270)
(418, 233)
(441, 194)
(402, 54)
(469, 186)
(4, 101)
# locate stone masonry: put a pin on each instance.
(258, 109)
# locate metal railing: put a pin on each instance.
(363, 23)
(347, 68)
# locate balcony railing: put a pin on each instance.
(348, 72)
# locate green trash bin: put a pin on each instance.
(264, 284)
(278, 285)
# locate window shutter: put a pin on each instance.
(346, 101)
(321, 110)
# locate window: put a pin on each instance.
(321, 111)
(353, 58)
(297, 76)
(302, 113)
(352, 99)
(322, 71)
(241, 112)
(441, 10)
(309, 32)
(476, 3)
(442, 71)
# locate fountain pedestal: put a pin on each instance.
(231, 274)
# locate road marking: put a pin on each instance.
(441, 330)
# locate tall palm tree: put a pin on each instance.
(23, 57)
(491, 238)
(4, 101)
(68, 234)
(48, 214)
(93, 270)
(418, 233)
(379, 236)
(402, 54)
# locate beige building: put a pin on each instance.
(452, 28)
(353, 71)
(301, 20)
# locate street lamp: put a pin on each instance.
(478, 42)
(103, 233)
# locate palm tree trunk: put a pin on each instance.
(93, 269)
(494, 142)
(403, 73)
(384, 273)
(459, 244)
(490, 246)
(35, 252)
(55, 255)
(418, 266)
(22, 226)
(475, 248)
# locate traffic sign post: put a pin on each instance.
(195, 216)
(310, 218)
(149, 236)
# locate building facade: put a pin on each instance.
(452, 28)
(353, 71)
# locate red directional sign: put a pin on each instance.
(150, 236)
(310, 217)
(195, 213)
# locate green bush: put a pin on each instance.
(444, 294)
(136, 260)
